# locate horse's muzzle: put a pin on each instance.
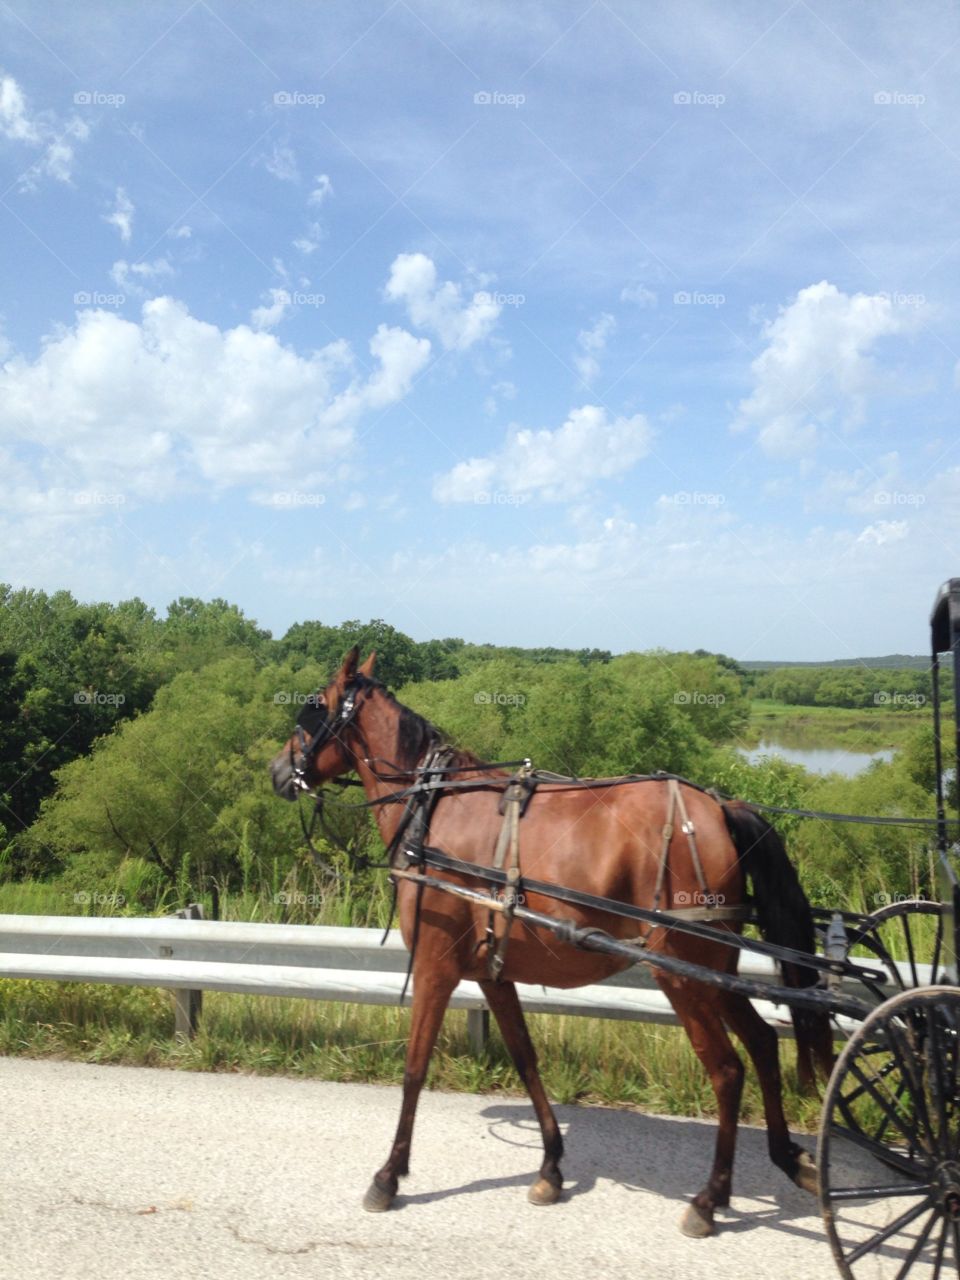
(284, 779)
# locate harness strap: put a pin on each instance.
(516, 797)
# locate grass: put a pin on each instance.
(583, 1060)
(866, 729)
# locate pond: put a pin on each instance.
(817, 759)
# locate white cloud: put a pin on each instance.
(310, 241)
(56, 139)
(14, 120)
(172, 400)
(883, 532)
(592, 343)
(267, 316)
(322, 189)
(817, 371)
(638, 294)
(282, 163)
(121, 216)
(440, 309)
(132, 276)
(183, 232)
(554, 465)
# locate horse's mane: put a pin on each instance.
(415, 734)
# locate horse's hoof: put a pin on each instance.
(697, 1222)
(806, 1174)
(378, 1199)
(543, 1192)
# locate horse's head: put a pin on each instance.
(319, 747)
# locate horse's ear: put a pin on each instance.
(366, 668)
(349, 668)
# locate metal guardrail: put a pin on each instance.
(192, 955)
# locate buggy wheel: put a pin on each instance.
(888, 1158)
(905, 940)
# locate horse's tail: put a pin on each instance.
(785, 918)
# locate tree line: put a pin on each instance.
(134, 746)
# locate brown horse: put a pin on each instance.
(608, 841)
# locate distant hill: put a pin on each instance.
(902, 661)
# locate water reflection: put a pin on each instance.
(818, 759)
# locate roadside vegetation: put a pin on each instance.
(133, 780)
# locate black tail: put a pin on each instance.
(785, 919)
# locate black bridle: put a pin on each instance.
(316, 725)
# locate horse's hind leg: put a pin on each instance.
(697, 1009)
(431, 994)
(503, 1000)
(760, 1041)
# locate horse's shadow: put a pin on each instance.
(645, 1153)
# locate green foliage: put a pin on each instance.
(183, 786)
(901, 690)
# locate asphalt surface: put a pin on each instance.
(156, 1175)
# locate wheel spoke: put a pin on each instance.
(918, 1244)
(892, 1158)
(872, 1193)
(905, 921)
(908, 1216)
(940, 1248)
(883, 1104)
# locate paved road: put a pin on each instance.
(115, 1172)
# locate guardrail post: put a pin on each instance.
(187, 1004)
(478, 1029)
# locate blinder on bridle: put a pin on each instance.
(316, 725)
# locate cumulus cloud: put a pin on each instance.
(54, 139)
(141, 406)
(592, 343)
(267, 316)
(817, 370)
(121, 216)
(440, 308)
(554, 465)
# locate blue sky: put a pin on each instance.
(577, 324)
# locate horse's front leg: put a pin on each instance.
(433, 984)
(503, 1000)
